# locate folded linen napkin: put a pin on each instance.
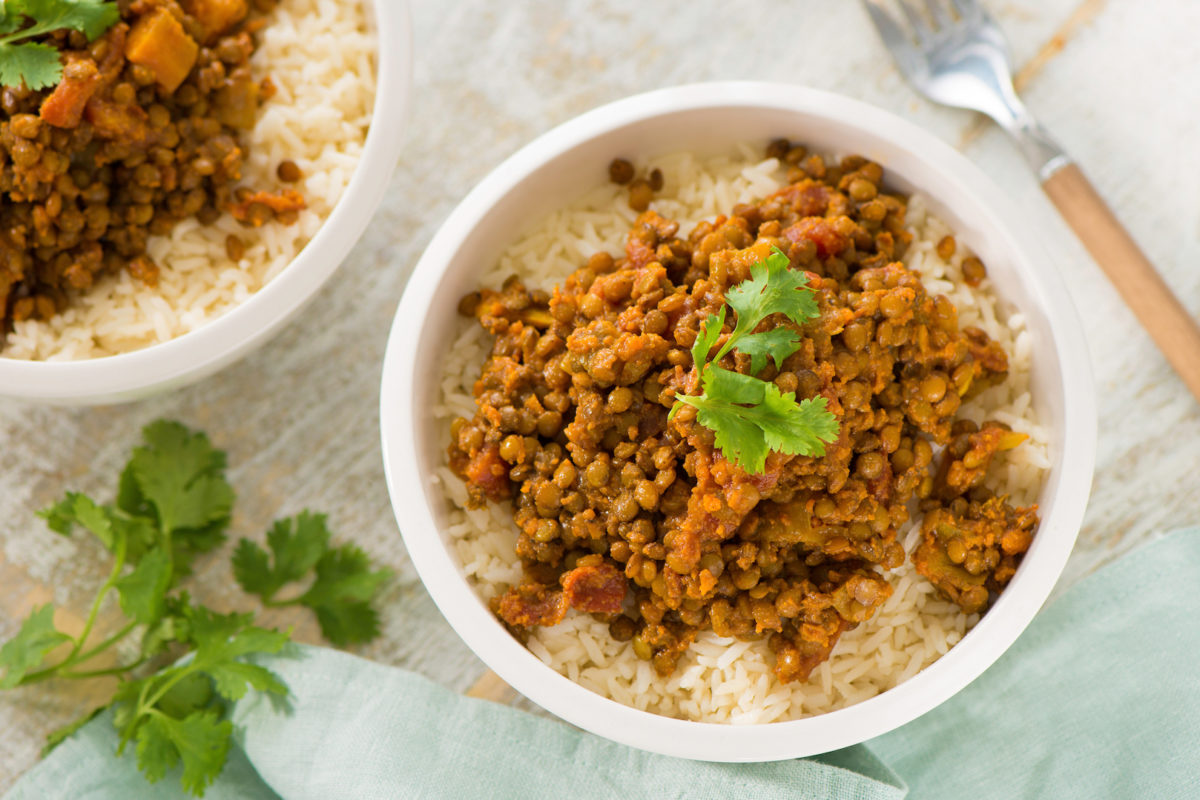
(1097, 699)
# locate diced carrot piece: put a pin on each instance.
(216, 16)
(158, 42)
(64, 107)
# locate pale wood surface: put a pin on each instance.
(1115, 84)
(1169, 324)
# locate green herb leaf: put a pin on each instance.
(182, 476)
(201, 740)
(746, 434)
(296, 543)
(174, 715)
(33, 64)
(76, 508)
(341, 595)
(37, 64)
(343, 585)
(91, 17)
(178, 477)
(143, 591)
(172, 502)
(710, 331)
(773, 288)
(776, 344)
(30, 646)
(750, 417)
(223, 637)
(108, 524)
(231, 680)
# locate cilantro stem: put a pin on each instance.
(99, 673)
(113, 576)
(77, 653)
(148, 705)
(59, 669)
(109, 642)
(37, 29)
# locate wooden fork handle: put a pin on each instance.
(1169, 324)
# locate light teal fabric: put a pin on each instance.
(1098, 699)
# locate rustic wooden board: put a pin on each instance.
(299, 418)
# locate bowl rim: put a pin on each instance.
(251, 323)
(478, 628)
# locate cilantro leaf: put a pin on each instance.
(91, 17)
(341, 595)
(776, 344)
(156, 755)
(33, 64)
(297, 544)
(37, 64)
(143, 591)
(231, 679)
(773, 288)
(178, 478)
(182, 476)
(794, 428)
(76, 508)
(222, 637)
(176, 715)
(732, 387)
(750, 417)
(173, 626)
(710, 331)
(201, 740)
(108, 524)
(193, 691)
(776, 422)
(172, 502)
(343, 585)
(30, 646)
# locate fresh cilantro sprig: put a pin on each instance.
(343, 585)
(750, 417)
(36, 64)
(173, 503)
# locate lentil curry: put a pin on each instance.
(639, 520)
(141, 132)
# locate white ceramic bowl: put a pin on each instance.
(710, 117)
(198, 353)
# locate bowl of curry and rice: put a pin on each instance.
(189, 177)
(737, 422)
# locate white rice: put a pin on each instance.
(718, 679)
(320, 54)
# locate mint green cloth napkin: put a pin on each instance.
(1099, 698)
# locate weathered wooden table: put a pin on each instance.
(299, 418)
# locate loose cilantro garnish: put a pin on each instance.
(750, 417)
(36, 64)
(342, 590)
(173, 503)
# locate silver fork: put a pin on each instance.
(954, 53)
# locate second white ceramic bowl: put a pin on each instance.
(194, 355)
(561, 165)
